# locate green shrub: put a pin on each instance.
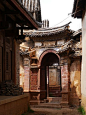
(81, 110)
(30, 110)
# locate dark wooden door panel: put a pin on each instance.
(8, 59)
(0, 64)
(43, 79)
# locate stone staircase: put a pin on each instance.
(54, 102)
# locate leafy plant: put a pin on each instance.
(81, 110)
(30, 110)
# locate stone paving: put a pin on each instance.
(53, 107)
(50, 111)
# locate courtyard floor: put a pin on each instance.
(50, 111)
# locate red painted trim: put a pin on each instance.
(44, 53)
(25, 13)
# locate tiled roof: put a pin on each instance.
(76, 54)
(66, 46)
(74, 46)
(29, 13)
(77, 32)
(47, 31)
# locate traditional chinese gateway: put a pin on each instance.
(51, 65)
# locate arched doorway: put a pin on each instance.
(50, 77)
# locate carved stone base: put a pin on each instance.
(65, 99)
(34, 97)
(34, 102)
(64, 104)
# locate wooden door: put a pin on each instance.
(8, 59)
(1, 67)
(8, 65)
(54, 82)
(43, 85)
(1, 55)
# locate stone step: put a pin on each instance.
(54, 98)
(47, 105)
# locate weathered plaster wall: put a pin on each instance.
(26, 78)
(21, 72)
(75, 79)
(24, 73)
(83, 74)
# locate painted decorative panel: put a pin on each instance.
(61, 42)
(38, 44)
(49, 43)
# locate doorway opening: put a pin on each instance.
(50, 76)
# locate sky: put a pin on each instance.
(57, 10)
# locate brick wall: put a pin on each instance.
(64, 78)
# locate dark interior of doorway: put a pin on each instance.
(49, 60)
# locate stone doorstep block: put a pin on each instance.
(34, 102)
(46, 100)
(64, 104)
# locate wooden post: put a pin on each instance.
(47, 71)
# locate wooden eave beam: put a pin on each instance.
(2, 7)
(20, 17)
(25, 14)
(79, 8)
(20, 13)
(7, 4)
(26, 28)
(11, 12)
(76, 8)
(12, 17)
(21, 37)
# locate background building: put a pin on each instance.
(54, 65)
(79, 11)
